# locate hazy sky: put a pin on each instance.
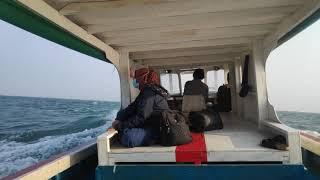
(32, 66)
(293, 72)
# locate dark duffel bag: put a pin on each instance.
(224, 99)
(205, 121)
(174, 129)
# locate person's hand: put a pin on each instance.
(111, 130)
(115, 124)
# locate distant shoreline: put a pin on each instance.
(119, 102)
(58, 98)
(303, 112)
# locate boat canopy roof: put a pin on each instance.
(162, 32)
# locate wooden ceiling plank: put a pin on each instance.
(135, 9)
(226, 21)
(176, 63)
(187, 52)
(189, 59)
(190, 44)
(221, 18)
(186, 32)
(186, 40)
(199, 34)
(193, 57)
(192, 65)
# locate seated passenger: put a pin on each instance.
(196, 86)
(134, 123)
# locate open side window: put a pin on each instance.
(170, 81)
(215, 78)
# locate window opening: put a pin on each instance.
(215, 79)
(185, 76)
(170, 81)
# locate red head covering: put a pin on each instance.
(146, 76)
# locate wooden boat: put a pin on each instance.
(179, 35)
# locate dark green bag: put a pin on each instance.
(205, 121)
(174, 129)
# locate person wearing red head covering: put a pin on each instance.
(134, 124)
(146, 77)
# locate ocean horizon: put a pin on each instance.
(36, 128)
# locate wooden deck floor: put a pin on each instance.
(237, 142)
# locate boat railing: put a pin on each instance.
(46, 169)
(293, 138)
(310, 142)
(104, 143)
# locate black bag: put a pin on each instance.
(174, 129)
(245, 78)
(224, 99)
(205, 121)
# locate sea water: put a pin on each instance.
(35, 129)
(301, 120)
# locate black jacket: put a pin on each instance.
(137, 114)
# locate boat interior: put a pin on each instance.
(175, 37)
(238, 142)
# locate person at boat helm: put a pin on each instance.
(134, 123)
(196, 86)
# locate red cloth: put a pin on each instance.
(146, 76)
(195, 152)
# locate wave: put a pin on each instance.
(33, 134)
(312, 133)
(19, 155)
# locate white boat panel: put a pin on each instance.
(150, 157)
(238, 141)
(155, 148)
(248, 156)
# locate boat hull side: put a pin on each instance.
(234, 171)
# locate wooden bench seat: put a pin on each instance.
(237, 142)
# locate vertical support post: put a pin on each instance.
(294, 141)
(180, 83)
(260, 75)
(205, 75)
(170, 82)
(226, 71)
(134, 91)
(237, 72)
(215, 79)
(103, 156)
(124, 72)
(232, 85)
